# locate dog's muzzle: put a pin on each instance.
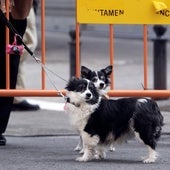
(88, 96)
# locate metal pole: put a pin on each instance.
(72, 51)
(160, 58)
(160, 67)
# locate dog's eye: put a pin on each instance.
(81, 87)
(94, 79)
(102, 78)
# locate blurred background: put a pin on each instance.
(128, 68)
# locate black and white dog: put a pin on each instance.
(101, 80)
(104, 121)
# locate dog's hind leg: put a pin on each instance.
(153, 155)
(112, 148)
(150, 142)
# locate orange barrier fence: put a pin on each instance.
(43, 92)
(113, 93)
(7, 55)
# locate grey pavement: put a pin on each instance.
(45, 139)
(56, 153)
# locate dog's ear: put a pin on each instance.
(107, 70)
(85, 72)
(71, 84)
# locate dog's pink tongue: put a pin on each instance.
(65, 106)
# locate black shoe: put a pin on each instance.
(25, 106)
(2, 140)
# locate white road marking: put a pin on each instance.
(46, 105)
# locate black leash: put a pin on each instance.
(14, 31)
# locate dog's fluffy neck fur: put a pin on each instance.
(79, 111)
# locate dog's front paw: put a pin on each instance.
(81, 151)
(100, 156)
(82, 159)
(77, 148)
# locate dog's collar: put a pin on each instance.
(68, 101)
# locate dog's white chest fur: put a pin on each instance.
(79, 115)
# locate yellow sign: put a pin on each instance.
(123, 11)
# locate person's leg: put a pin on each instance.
(6, 102)
(30, 39)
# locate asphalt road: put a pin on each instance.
(56, 153)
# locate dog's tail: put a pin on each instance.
(149, 111)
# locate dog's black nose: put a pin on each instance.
(88, 95)
(101, 85)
